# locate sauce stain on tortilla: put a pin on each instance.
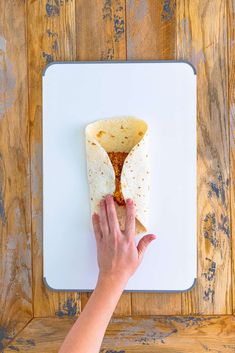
(100, 133)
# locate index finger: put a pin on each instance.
(130, 218)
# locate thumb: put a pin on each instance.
(144, 242)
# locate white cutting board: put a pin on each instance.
(163, 94)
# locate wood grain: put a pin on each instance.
(202, 40)
(140, 334)
(51, 36)
(151, 36)
(100, 30)
(151, 31)
(100, 33)
(231, 111)
(15, 215)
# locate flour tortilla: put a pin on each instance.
(119, 134)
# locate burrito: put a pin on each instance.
(118, 164)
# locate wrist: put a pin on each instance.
(112, 281)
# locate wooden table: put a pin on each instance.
(33, 33)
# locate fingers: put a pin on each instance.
(130, 218)
(144, 243)
(103, 219)
(96, 226)
(112, 215)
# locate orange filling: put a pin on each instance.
(117, 159)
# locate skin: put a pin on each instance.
(118, 258)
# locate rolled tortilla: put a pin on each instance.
(108, 143)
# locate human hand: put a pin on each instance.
(118, 256)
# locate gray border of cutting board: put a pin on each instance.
(116, 62)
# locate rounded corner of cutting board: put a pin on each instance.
(50, 287)
(190, 287)
(190, 65)
(48, 67)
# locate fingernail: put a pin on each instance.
(129, 201)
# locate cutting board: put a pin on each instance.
(164, 95)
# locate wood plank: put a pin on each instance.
(202, 40)
(15, 215)
(151, 29)
(231, 107)
(100, 30)
(100, 33)
(51, 36)
(151, 36)
(163, 334)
